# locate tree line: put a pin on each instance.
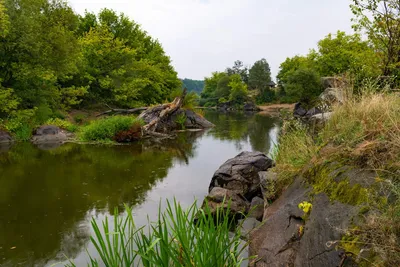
(299, 78)
(52, 59)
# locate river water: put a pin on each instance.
(48, 196)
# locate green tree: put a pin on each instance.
(304, 85)
(380, 19)
(4, 20)
(193, 85)
(239, 68)
(211, 84)
(260, 75)
(238, 89)
(342, 53)
(290, 65)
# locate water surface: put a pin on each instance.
(48, 196)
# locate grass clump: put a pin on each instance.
(191, 237)
(63, 124)
(105, 129)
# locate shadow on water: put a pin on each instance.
(47, 197)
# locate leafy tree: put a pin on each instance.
(239, 68)
(223, 88)
(238, 89)
(290, 65)
(260, 75)
(211, 84)
(4, 20)
(346, 53)
(304, 85)
(380, 19)
(193, 85)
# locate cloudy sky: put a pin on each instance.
(202, 36)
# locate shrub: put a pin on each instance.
(20, 123)
(192, 237)
(63, 124)
(79, 118)
(105, 129)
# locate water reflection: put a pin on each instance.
(47, 197)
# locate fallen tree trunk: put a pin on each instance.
(166, 111)
(116, 111)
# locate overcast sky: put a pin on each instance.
(202, 36)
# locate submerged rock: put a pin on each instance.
(5, 137)
(240, 174)
(233, 106)
(49, 134)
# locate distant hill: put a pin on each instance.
(193, 85)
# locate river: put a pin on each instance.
(48, 197)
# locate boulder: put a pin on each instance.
(191, 120)
(331, 82)
(268, 183)
(240, 174)
(313, 112)
(250, 106)
(319, 120)
(331, 96)
(49, 134)
(5, 137)
(247, 226)
(224, 198)
(289, 237)
(256, 208)
(299, 111)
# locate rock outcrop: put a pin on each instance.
(5, 137)
(240, 174)
(237, 184)
(49, 134)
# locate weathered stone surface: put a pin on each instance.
(275, 242)
(5, 137)
(224, 198)
(247, 226)
(193, 120)
(313, 112)
(240, 174)
(320, 119)
(256, 208)
(327, 223)
(331, 82)
(49, 134)
(286, 239)
(268, 182)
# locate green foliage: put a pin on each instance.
(193, 85)
(181, 120)
(238, 68)
(304, 84)
(20, 124)
(63, 124)
(105, 129)
(191, 99)
(211, 84)
(191, 237)
(79, 118)
(341, 53)
(379, 19)
(52, 57)
(238, 92)
(290, 65)
(260, 75)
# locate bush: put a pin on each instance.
(63, 124)
(79, 118)
(20, 123)
(192, 237)
(105, 129)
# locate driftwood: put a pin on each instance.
(115, 111)
(167, 110)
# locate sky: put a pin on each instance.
(202, 36)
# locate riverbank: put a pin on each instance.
(275, 109)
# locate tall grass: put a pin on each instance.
(180, 237)
(105, 129)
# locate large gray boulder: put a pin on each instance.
(331, 82)
(49, 134)
(240, 174)
(5, 137)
